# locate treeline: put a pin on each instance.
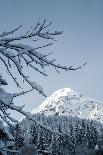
(74, 135)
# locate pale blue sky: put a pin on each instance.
(82, 40)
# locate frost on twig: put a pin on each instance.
(14, 53)
(6, 102)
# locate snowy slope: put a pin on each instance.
(71, 103)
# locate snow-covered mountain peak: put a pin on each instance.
(71, 103)
(61, 93)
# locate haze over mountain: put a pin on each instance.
(71, 103)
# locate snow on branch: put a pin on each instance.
(13, 52)
(6, 102)
(18, 52)
(10, 32)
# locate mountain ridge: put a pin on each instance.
(71, 103)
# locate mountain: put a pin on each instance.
(71, 103)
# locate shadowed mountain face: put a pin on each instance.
(71, 103)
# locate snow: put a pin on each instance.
(1, 144)
(71, 103)
(96, 148)
(5, 130)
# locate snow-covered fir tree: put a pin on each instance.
(82, 135)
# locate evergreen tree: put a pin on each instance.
(34, 134)
(101, 137)
(92, 136)
(72, 140)
(41, 140)
(19, 140)
(83, 131)
(54, 147)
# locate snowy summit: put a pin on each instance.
(71, 103)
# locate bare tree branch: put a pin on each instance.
(13, 52)
(10, 32)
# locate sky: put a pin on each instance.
(82, 40)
